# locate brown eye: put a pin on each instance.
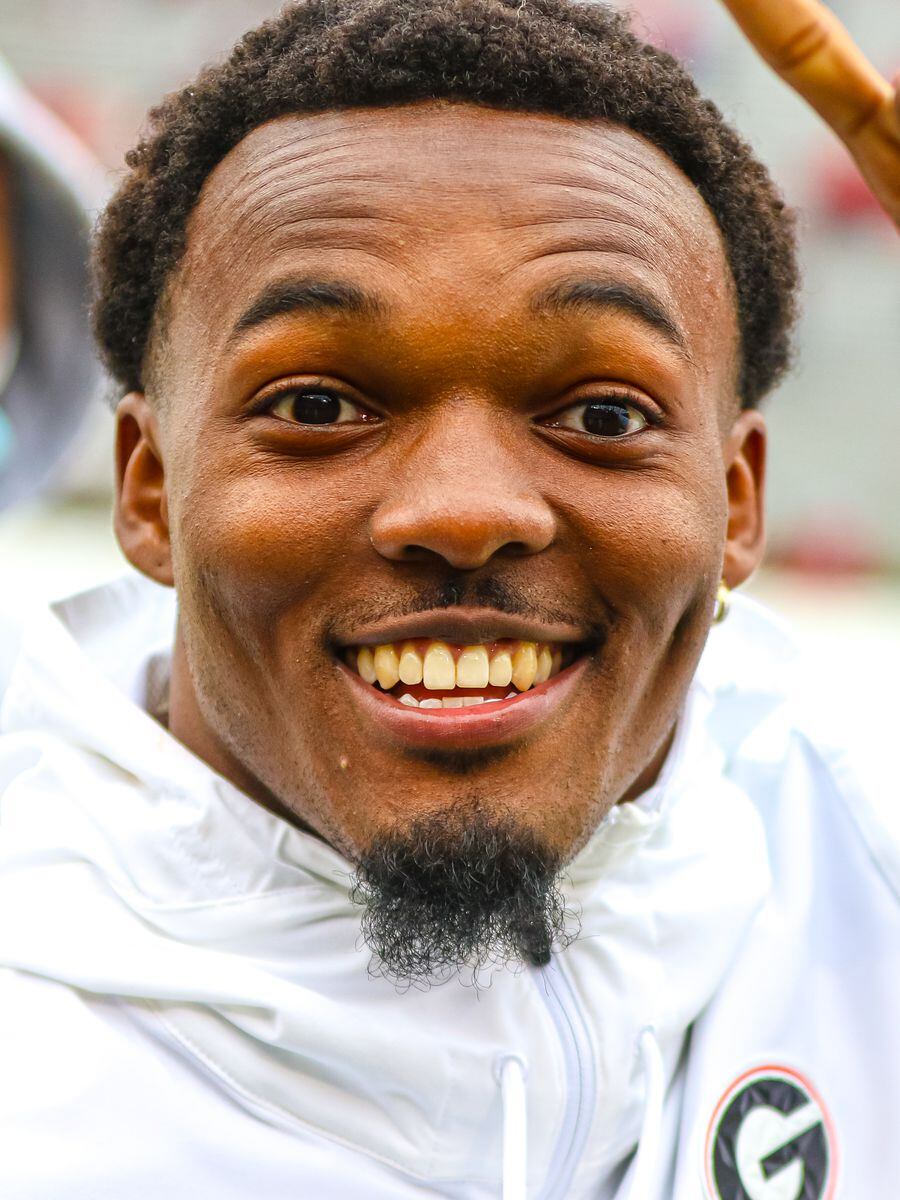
(316, 406)
(603, 418)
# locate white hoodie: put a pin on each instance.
(185, 1007)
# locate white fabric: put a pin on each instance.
(10, 634)
(186, 1010)
(515, 1128)
(645, 1168)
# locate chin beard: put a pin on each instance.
(459, 890)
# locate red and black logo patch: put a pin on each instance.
(770, 1138)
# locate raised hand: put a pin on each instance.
(812, 51)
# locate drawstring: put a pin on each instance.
(515, 1145)
(511, 1071)
(647, 1156)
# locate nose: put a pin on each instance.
(462, 496)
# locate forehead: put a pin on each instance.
(469, 201)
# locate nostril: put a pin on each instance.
(465, 536)
(460, 560)
(459, 554)
(419, 552)
(415, 553)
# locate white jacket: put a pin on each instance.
(185, 1007)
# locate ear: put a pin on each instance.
(745, 467)
(141, 507)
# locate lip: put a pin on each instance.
(470, 626)
(465, 728)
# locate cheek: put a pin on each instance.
(654, 553)
(257, 562)
(654, 538)
(264, 539)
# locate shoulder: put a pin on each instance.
(805, 732)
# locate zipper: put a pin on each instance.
(581, 1079)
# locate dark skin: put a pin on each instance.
(462, 463)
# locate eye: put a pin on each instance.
(611, 417)
(317, 406)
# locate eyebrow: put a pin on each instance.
(597, 294)
(318, 296)
(306, 295)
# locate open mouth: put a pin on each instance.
(431, 674)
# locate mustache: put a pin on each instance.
(489, 592)
(460, 590)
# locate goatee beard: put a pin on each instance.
(459, 891)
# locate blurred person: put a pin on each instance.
(49, 371)
(431, 820)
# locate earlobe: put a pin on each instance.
(745, 464)
(141, 506)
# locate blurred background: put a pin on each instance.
(834, 488)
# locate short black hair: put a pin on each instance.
(562, 57)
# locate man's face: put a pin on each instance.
(459, 383)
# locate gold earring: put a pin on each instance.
(723, 603)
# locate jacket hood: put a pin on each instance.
(136, 872)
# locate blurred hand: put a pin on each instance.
(812, 51)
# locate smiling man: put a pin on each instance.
(441, 330)
(444, 479)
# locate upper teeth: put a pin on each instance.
(441, 667)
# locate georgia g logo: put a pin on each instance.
(770, 1138)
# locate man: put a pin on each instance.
(415, 853)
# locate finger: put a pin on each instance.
(812, 51)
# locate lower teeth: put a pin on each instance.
(453, 701)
